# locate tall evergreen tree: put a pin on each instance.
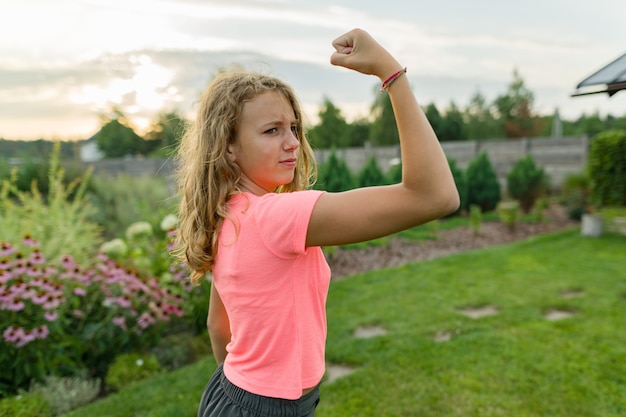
(371, 174)
(334, 175)
(515, 109)
(332, 130)
(479, 119)
(452, 125)
(483, 187)
(116, 138)
(384, 130)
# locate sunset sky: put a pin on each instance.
(64, 63)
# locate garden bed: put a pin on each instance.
(346, 262)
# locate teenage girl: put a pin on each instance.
(248, 216)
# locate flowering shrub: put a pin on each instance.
(64, 394)
(59, 218)
(149, 252)
(59, 318)
(129, 368)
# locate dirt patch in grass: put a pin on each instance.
(366, 332)
(442, 336)
(346, 262)
(480, 312)
(572, 293)
(555, 314)
(336, 371)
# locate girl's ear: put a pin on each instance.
(230, 152)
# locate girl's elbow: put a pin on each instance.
(449, 201)
(454, 201)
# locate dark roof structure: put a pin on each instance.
(610, 79)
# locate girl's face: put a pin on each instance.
(266, 146)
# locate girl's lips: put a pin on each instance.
(289, 162)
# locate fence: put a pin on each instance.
(559, 157)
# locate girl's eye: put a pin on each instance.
(294, 129)
(271, 131)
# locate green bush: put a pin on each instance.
(576, 195)
(509, 213)
(64, 394)
(607, 168)
(123, 200)
(461, 184)
(180, 349)
(483, 188)
(59, 219)
(475, 217)
(334, 175)
(25, 405)
(526, 182)
(371, 174)
(394, 175)
(541, 204)
(613, 219)
(129, 368)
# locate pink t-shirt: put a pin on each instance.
(274, 290)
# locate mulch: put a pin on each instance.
(346, 262)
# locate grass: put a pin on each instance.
(513, 363)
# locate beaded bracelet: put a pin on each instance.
(391, 79)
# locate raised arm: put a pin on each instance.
(427, 190)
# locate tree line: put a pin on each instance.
(509, 115)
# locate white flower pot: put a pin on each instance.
(591, 225)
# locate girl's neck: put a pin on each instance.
(248, 186)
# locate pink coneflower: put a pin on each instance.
(15, 304)
(29, 241)
(120, 322)
(40, 298)
(175, 310)
(81, 292)
(6, 249)
(145, 320)
(33, 271)
(12, 334)
(5, 263)
(50, 315)
(51, 302)
(20, 267)
(29, 293)
(50, 271)
(41, 332)
(27, 337)
(124, 302)
(37, 258)
(78, 313)
(67, 262)
(36, 282)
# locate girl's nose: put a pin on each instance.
(292, 141)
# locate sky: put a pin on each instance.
(66, 63)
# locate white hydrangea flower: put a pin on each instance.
(138, 230)
(169, 222)
(115, 248)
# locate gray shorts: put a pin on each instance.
(223, 399)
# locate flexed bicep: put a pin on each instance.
(369, 213)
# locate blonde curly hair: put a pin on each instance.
(206, 177)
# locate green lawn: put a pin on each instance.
(513, 363)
